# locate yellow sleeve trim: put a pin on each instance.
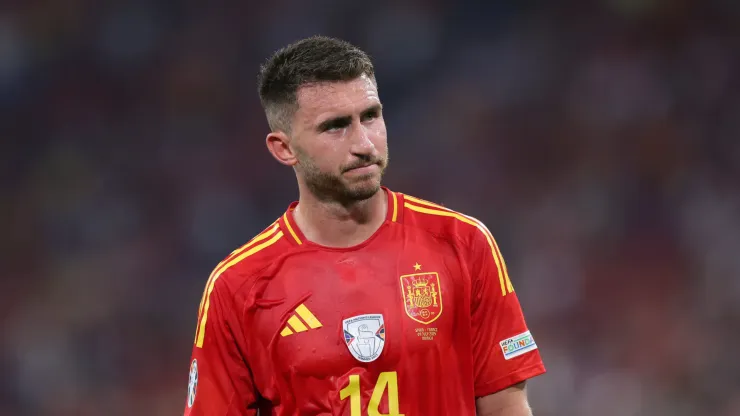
(503, 274)
(265, 234)
(201, 330)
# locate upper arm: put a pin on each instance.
(504, 351)
(220, 381)
(511, 401)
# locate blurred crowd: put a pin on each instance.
(597, 140)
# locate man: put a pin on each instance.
(357, 300)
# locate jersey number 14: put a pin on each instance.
(387, 380)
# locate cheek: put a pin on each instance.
(379, 136)
(328, 155)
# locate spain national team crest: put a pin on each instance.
(422, 296)
(365, 336)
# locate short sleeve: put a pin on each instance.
(219, 381)
(504, 350)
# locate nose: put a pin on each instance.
(361, 141)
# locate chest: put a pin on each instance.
(374, 308)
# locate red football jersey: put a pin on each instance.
(418, 320)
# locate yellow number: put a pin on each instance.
(386, 381)
(389, 379)
(353, 392)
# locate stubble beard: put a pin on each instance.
(330, 187)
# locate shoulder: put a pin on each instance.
(255, 255)
(443, 222)
(457, 228)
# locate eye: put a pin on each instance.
(370, 115)
(335, 126)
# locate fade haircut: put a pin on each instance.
(307, 61)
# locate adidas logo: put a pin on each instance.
(296, 324)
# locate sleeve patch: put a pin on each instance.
(192, 382)
(518, 345)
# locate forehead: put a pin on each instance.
(340, 97)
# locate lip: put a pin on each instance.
(364, 170)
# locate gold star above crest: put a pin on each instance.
(417, 266)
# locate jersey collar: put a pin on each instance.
(295, 235)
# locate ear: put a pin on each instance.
(278, 143)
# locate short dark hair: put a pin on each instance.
(311, 60)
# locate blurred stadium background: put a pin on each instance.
(597, 139)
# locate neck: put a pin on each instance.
(334, 224)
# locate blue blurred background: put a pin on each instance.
(597, 139)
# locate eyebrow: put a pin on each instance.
(345, 120)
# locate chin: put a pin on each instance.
(361, 192)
